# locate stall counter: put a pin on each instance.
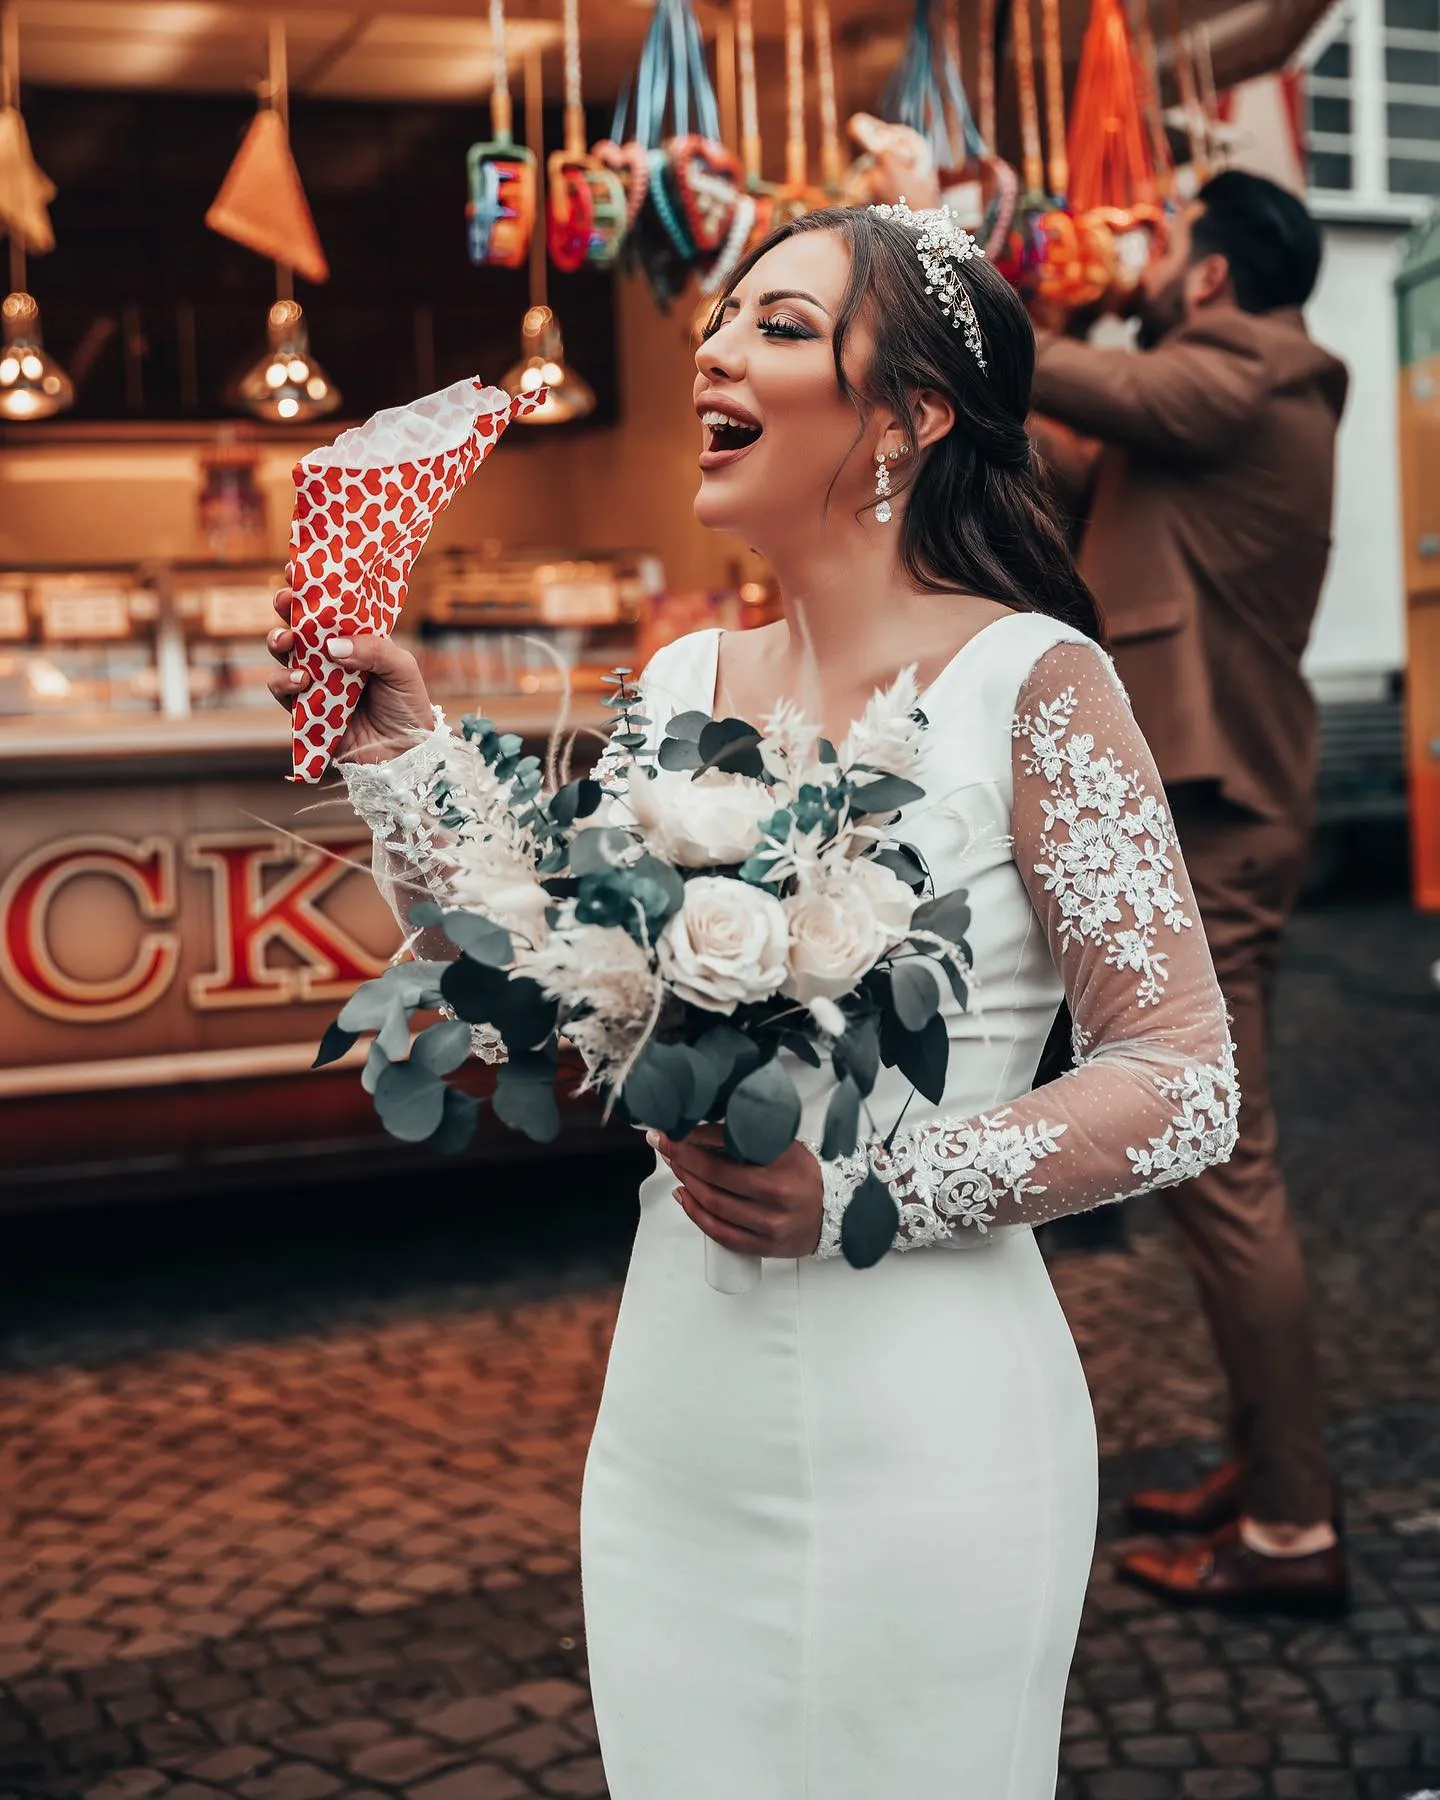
(178, 924)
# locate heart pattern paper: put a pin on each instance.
(364, 507)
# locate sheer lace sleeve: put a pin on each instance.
(1153, 1099)
(394, 799)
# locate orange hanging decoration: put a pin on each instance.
(1114, 189)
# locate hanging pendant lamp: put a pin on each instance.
(542, 348)
(262, 205)
(32, 384)
(287, 383)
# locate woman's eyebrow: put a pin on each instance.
(793, 294)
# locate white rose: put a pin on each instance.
(700, 824)
(725, 946)
(835, 938)
(890, 900)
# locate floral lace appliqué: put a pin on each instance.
(1110, 846)
(944, 1177)
(1202, 1130)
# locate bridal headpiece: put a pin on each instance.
(943, 245)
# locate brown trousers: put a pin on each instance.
(1234, 1221)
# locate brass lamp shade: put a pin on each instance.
(32, 383)
(287, 384)
(543, 365)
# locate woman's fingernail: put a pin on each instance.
(338, 647)
(652, 1138)
(297, 677)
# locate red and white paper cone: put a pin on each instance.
(363, 510)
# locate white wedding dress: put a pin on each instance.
(836, 1530)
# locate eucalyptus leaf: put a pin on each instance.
(732, 745)
(525, 1016)
(525, 1097)
(336, 1043)
(904, 861)
(657, 1089)
(799, 1045)
(732, 1055)
(702, 1085)
(948, 916)
(676, 754)
(597, 848)
(886, 794)
(914, 992)
(410, 1102)
(667, 879)
(842, 1121)
(763, 1115)
(687, 725)
(393, 1036)
(474, 991)
(481, 939)
(955, 972)
(858, 1053)
(576, 800)
(427, 912)
(869, 1223)
(922, 1057)
(442, 1048)
(457, 1124)
(376, 1063)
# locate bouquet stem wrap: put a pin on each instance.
(730, 1271)
(364, 507)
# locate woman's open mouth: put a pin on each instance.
(726, 438)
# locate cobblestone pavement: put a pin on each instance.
(287, 1512)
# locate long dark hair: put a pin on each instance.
(977, 517)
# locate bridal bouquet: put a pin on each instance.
(681, 920)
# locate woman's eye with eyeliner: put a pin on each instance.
(785, 328)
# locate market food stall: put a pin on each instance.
(177, 923)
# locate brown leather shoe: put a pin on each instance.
(1207, 1506)
(1224, 1572)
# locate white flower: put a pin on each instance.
(787, 745)
(885, 737)
(725, 946)
(835, 938)
(827, 1015)
(700, 823)
(891, 901)
(517, 902)
(602, 969)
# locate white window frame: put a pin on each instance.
(1367, 143)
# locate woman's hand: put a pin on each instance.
(772, 1209)
(394, 705)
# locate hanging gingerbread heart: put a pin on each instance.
(707, 179)
(630, 164)
(570, 212)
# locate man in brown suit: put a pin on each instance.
(1204, 470)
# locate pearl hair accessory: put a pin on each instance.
(943, 245)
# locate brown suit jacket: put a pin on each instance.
(1208, 532)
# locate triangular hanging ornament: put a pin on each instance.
(262, 205)
(25, 189)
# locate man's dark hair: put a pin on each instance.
(1265, 234)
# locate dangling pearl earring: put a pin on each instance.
(883, 512)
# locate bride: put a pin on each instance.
(836, 1530)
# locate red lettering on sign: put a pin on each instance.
(146, 869)
(249, 918)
